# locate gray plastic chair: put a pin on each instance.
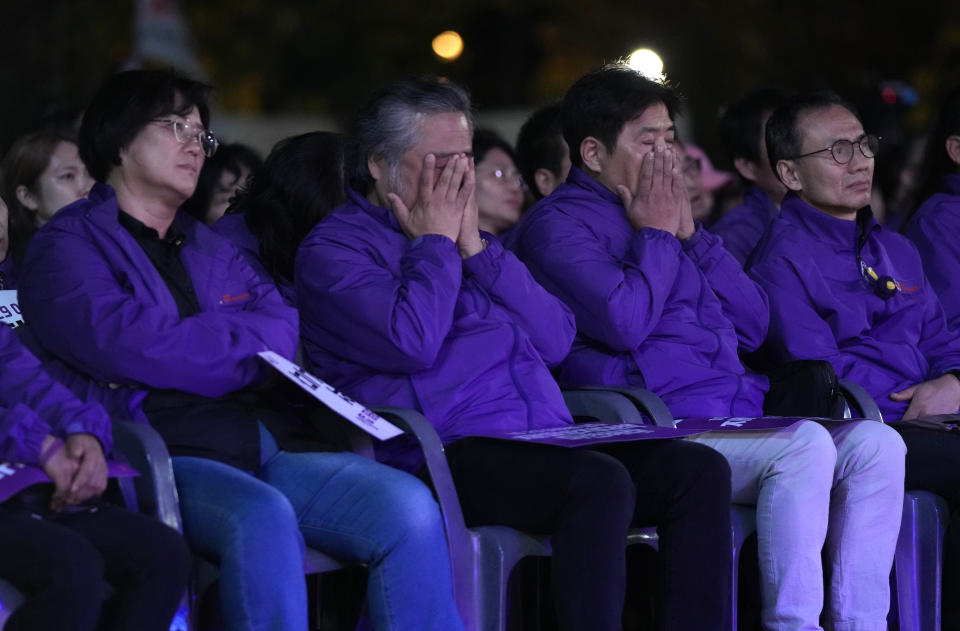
(918, 560)
(483, 558)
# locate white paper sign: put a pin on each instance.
(10, 308)
(372, 423)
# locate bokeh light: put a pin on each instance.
(448, 45)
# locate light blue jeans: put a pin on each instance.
(839, 486)
(341, 504)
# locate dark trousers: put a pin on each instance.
(63, 564)
(587, 499)
(933, 464)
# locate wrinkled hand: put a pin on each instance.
(469, 241)
(658, 197)
(440, 202)
(937, 396)
(91, 477)
(61, 468)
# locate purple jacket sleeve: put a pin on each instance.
(360, 308)
(939, 343)
(941, 256)
(744, 302)
(545, 319)
(21, 434)
(617, 302)
(33, 405)
(85, 313)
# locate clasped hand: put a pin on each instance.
(657, 198)
(78, 470)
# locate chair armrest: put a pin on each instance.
(859, 397)
(462, 544)
(155, 487)
(644, 400)
(602, 405)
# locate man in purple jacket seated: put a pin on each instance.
(659, 301)
(741, 129)
(933, 226)
(144, 300)
(58, 547)
(404, 302)
(845, 289)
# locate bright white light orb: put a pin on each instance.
(647, 63)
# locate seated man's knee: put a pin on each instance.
(810, 448)
(865, 443)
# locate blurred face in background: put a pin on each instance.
(499, 192)
(701, 199)
(64, 181)
(225, 189)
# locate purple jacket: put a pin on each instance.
(822, 307)
(395, 322)
(742, 227)
(33, 405)
(94, 300)
(234, 227)
(934, 229)
(648, 308)
(8, 273)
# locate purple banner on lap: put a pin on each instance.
(596, 433)
(14, 476)
(740, 424)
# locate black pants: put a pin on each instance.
(933, 464)
(62, 566)
(587, 499)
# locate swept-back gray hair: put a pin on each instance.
(389, 124)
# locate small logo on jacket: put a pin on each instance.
(227, 298)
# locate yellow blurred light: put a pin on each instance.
(448, 45)
(647, 63)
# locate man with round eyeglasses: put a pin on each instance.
(845, 289)
(186, 132)
(842, 287)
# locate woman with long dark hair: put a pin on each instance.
(300, 183)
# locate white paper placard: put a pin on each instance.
(372, 423)
(10, 308)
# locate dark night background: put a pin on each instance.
(321, 58)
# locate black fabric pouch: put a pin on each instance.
(805, 387)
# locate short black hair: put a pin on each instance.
(485, 139)
(300, 183)
(125, 104)
(540, 144)
(233, 159)
(600, 103)
(783, 137)
(741, 127)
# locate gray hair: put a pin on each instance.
(389, 124)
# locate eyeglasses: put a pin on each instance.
(842, 150)
(510, 176)
(185, 132)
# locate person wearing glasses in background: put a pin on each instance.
(500, 188)
(163, 319)
(845, 289)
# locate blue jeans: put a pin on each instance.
(341, 504)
